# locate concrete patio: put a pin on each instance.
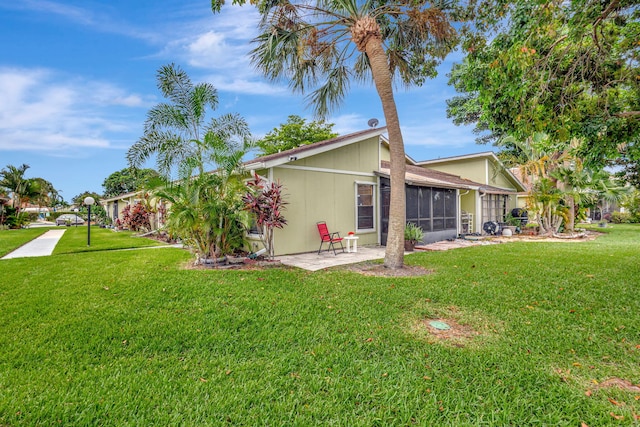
(313, 262)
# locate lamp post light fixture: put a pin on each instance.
(76, 211)
(88, 201)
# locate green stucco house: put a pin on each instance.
(345, 182)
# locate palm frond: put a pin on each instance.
(174, 83)
(330, 95)
(165, 116)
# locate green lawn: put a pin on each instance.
(11, 240)
(119, 338)
(102, 239)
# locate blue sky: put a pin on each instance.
(78, 76)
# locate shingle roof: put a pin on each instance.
(423, 176)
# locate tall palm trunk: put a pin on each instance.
(394, 253)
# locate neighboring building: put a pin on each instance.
(499, 190)
(115, 205)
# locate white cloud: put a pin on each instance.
(220, 46)
(435, 133)
(347, 123)
(43, 111)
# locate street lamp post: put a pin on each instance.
(88, 201)
(76, 211)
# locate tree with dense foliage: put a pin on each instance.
(79, 199)
(322, 46)
(44, 193)
(177, 132)
(565, 69)
(127, 180)
(294, 133)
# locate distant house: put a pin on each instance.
(115, 205)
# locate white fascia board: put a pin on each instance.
(121, 197)
(463, 157)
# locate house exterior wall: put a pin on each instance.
(472, 169)
(468, 205)
(499, 178)
(122, 203)
(481, 170)
(323, 188)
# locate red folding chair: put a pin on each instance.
(327, 237)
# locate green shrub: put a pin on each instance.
(621, 217)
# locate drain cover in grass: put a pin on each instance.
(439, 325)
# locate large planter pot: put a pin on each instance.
(409, 245)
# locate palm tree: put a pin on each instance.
(12, 178)
(176, 132)
(324, 45)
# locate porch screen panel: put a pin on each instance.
(365, 206)
(437, 196)
(450, 209)
(412, 201)
(425, 209)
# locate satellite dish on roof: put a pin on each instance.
(373, 123)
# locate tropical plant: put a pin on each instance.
(12, 178)
(323, 46)
(631, 202)
(136, 217)
(177, 132)
(294, 133)
(266, 202)
(11, 217)
(413, 232)
(206, 211)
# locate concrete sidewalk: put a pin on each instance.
(40, 246)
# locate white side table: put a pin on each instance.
(351, 239)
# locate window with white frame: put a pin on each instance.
(365, 207)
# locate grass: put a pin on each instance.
(11, 240)
(74, 240)
(130, 338)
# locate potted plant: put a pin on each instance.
(412, 235)
(511, 223)
(531, 228)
